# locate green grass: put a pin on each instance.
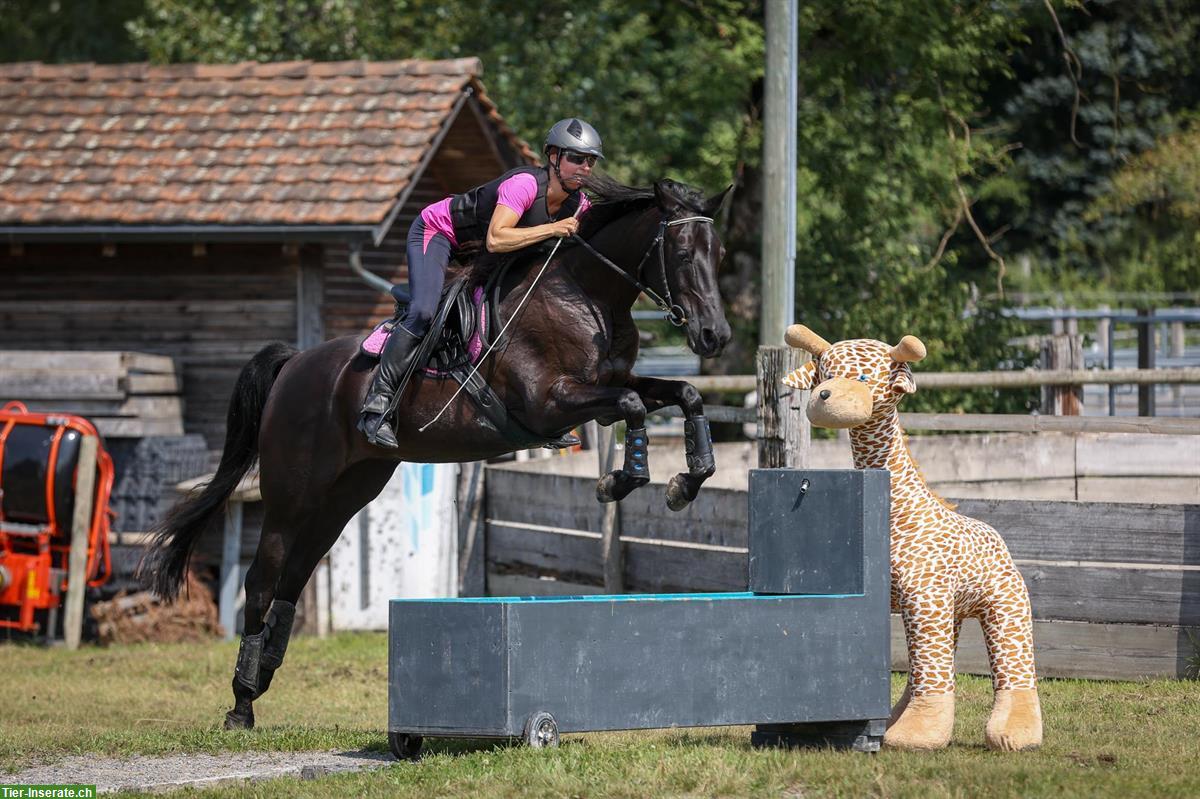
(1103, 739)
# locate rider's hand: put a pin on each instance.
(565, 227)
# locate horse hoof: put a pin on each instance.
(677, 498)
(236, 721)
(606, 488)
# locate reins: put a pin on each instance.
(674, 313)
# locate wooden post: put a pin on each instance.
(81, 527)
(1103, 325)
(472, 552)
(610, 524)
(231, 568)
(1177, 350)
(1145, 339)
(1062, 351)
(783, 429)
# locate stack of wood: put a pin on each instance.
(137, 617)
(125, 394)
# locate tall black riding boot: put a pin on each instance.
(394, 363)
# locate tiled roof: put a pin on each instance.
(298, 143)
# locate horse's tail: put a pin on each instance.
(165, 562)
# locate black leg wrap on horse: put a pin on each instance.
(278, 628)
(697, 443)
(637, 453)
(249, 660)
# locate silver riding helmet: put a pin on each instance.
(576, 135)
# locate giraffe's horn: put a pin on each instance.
(802, 338)
(909, 350)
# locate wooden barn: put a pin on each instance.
(201, 211)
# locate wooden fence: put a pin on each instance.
(1115, 586)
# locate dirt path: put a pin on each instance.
(168, 772)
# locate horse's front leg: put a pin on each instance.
(697, 438)
(608, 404)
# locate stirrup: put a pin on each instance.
(377, 429)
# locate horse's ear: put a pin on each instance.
(714, 203)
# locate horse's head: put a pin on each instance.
(692, 252)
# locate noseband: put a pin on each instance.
(675, 314)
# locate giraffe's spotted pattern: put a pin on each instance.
(945, 567)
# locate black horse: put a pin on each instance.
(567, 359)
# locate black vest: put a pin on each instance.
(472, 210)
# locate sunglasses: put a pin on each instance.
(579, 159)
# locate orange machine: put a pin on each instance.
(39, 454)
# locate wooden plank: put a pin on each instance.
(81, 525)
(1003, 456)
(46, 384)
(1021, 423)
(1077, 649)
(1166, 490)
(525, 585)
(1116, 595)
(718, 516)
(152, 384)
(1062, 489)
(1114, 532)
(665, 569)
(137, 428)
(1136, 455)
(61, 360)
(558, 500)
(562, 555)
(1026, 378)
(153, 364)
(137, 407)
(310, 292)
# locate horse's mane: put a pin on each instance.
(611, 200)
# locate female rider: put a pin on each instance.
(522, 207)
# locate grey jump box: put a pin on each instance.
(808, 645)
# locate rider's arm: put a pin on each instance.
(504, 236)
(515, 196)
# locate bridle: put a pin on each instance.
(674, 313)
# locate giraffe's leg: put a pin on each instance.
(902, 703)
(924, 716)
(1016, 720)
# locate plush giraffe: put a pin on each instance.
(946, 567)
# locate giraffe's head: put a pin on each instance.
(852, 381)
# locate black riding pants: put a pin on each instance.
(427, 259)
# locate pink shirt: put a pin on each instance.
(517, 193)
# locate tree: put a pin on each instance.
(60, 31)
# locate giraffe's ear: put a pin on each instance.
(802, 378)
(902, 379)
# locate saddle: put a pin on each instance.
(466, 324)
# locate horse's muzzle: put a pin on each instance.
(711, 340)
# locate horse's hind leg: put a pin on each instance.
(697, 438)
(315, 535)
(261, 578)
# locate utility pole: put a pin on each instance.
(779, 173)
